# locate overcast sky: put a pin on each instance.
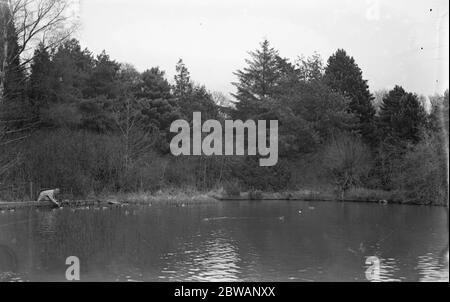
(394, 41)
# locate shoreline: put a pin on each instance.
(179, 198)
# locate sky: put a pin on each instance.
(402, 42)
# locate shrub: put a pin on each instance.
(232, 188)
(254, 194)
(253, 176)
(347, 161)
(423, 171)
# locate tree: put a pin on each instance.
(103, 80)
(30, 22)
(423, 172)
(137, 138)
(192, 97)
(12, 78)
(402, 116)
(344, 75)
(401, 124)
(390, 105)
(325, 109)
(72, 71)
(438, 118)
(10, 155)
(41, 90)
(258, 81)
(378, 100)
(96, 115)
(153, 85)
(347, 161)
(412, 118)
(310, 116)
(183, 85)
(310, 68)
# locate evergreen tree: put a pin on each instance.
(183, 85)
(192, 97)
(412, 118)
(72, 71)
(41, 79)
(104, 76)
(390, 106)
(342, 74)
(259, 80)
(402, 116)
(153, 85)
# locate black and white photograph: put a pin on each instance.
(221, 147)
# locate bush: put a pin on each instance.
(423, 172)
(252, 176)
(145, 174)
(232, 188)
(347, 161)
(254, 194)
(79, 162)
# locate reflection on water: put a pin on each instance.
(215, 259)
(431, 268)
(234, 241)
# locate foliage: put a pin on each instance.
(347, 161)
(231, 188)
(343, 75)
(402, 116)
(90, 124)
(422, 172)
(252, 176)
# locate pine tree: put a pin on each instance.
(258, 81)
(41, 79)
(342, 74)
(72, 72)
(183, 85)
(153, 85)
(389, 108)
(103, 78)
(412, 118)
(402, 116)
(191, 97)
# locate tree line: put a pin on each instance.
(90, 124)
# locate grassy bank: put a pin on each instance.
(168, 196)
(192, 196)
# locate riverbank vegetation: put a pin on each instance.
(94, 126)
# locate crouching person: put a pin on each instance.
(49, 195)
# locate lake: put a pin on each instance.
(228, 241)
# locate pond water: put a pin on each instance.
(227, 241)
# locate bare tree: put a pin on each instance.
(138, 137)
(347, 161)
(35, 21)
(377, 102)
